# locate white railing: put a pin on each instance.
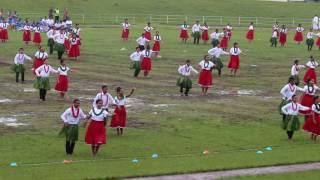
(96, 20)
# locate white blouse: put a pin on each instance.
(251, 27)
(125, 25)
(316, 108)
(20, 58)
(312, 64)
(206, 65)
(300, 29)
(295, 69)
(41, 55)
(73, 115)
(107, 100)
(98, 114)
(148, 29)
(217, 52)
(135, 56)
(44, 71)
(146, 54)
(157, 38)
(185, 70)
(235, 51)
(184, 27)
(63, 70)
(311, 90)
(289, 90)
(293, 108)
(120, 102)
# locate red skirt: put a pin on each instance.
(79, 42)
(37, 63)
(184, 34)
(250, 35)
(74, 51)
(156, 46)
(96, 133)
(125, 33)
(120, 117)
(318, 42)
(307, 100)
(62, 84)
(37, 37)
(311, 126)
(205, 35)
(67, 44)
(26, 36)
(234, 62)
(4, 34)
(298, 37)
(224, 42)
(205, 78)
(229, 34)
(282, 38)
(310, 74)
(147, 35)
(146, 64)
(1, 33)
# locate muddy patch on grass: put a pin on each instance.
(2, 63)
(134, 123)
(9, 101)
(29, 90)
(242, 92)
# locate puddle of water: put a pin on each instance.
(161, 105)
(12, 122)
(9, 101)
(29, 90)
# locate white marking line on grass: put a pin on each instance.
(239, 172)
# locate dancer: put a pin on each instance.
(156, 45)
(107, 99)
(287, 92)
(229, 30)
(135, 58)
(142, 42)
(311, 73)
(315, 23)
(37, 36)
(205, 34)
(283, 35)
(215, 38)
(196, 32)
(59, 43)
(184, 35)
(4, 31)
(120, 114)
(27, 32)
(42, 81)
(146, 61)
(184, 81)
(125, 30)
(298, 37)
(50, 34)
(74, 51)
(274, 38)
(291, 122)
(318, 40)
(310, 40)
(147, 31)
(276, 27)
(18, 66)
(62, 82)
(224, 40)
(39, 58)
(216, 52)
(312, 124)
(234, 62)
(96, 130)
(71, 119)
(295, 71)
(250, 33)
(205, 77)
(307, 98)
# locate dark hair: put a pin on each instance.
(21, 49)
(315, 98)
(235, 43)
(118, 89)
(187, 61)
(104, 86)
(61, 61)
(291, 78)
(137, 47)
(76, 100)
(293, 96)
(98, 100)
(296, 61)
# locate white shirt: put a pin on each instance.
(37, 29)
(142, 41)
(312, 64)
(184, 27)
(310, 35)
(315, 20)
(185, 70)
(20, 58)
(251, 27)
(235, 51)
(148, 29)
(293, 109)
(196, 28)
(41, 55)
(215, 35)
(229, 28)
(311, 90)
(73, 115)
(4, 25)
(314, 109)
(206, 65)
(74, 41)
(98, 114)
(216, 52)
(295, 69)
(50, 22)
(63, 70)
(44, 70)
(126, 26)
(76, 31)
(146, 54)
(51, 33)
(57, 25)
(284, 30)
(107, 100)
(300, 29)
(59, 38)
(157, 38)
(69, 22)
(135, 56)
(274, 34)
(120, 102)
(26, 27)
(205, 28)
(289, 90)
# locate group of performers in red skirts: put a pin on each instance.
(308, 105)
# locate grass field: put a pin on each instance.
(231, 126)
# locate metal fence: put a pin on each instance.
(102, 20)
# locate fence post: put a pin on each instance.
(256, 20)
(293, 23)
(203, 19)
(82, 18)
(239, 21)
(186, 19)
(116, 19)
(167, 19)
(220, 20)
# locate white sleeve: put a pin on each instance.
(37, 71)
(112, 99)
(180, 69)
(138, 40)
(224, 52)
(192, 69)
(64, 116)
(27, 57)
(90, 112)
(131, 56)
(15, 60)
(300, 89)
(211, 51)
(283, 91)
(284, 109)
(53, 70)
(82, 115)
(94, 101)
(303, 108)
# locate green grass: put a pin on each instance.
(231, 127)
